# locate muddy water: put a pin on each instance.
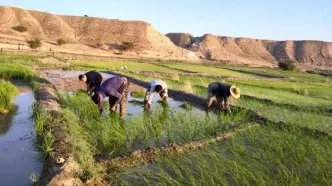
(173, 105)
(18, 159)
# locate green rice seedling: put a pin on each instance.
(132, 66)
(257, 156)
(186, 107)
(209, 70)
(308, 89)
(283, 97)
(112, 137)
(16, 71)
(83, 151)
(7, 92)
(35, 85)
(316, 120)
(301, 76)
(40, 118)
(48, 141)
(35, 178)
(163, 103)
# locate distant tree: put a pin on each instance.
(20, 28)
(208, 55)
(126, 46)
(34, 43)
(61, 42)
(287, 65)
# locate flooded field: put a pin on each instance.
(67, 82)
(18, 158)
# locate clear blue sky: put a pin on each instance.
(262, 19)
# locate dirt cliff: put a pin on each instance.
(89, 31)
(308, 54)
(84, 33)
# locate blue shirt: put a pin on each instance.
(112, 87)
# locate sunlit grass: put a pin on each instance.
(16, 71)
(258, 156)
(301, 76)
(210, 70)
(7, 92)
(316, 120)
(132, 66)
(112, 137)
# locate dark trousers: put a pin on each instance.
(123, 102)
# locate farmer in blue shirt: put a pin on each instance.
(116, 89)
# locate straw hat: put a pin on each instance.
(235, 92)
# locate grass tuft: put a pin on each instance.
(187, 87)
(7, 92)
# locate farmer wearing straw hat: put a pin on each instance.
(223, 93)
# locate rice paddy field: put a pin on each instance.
(181, 145)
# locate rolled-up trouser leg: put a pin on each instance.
(123, 102)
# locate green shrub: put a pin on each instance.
(20, 28)
(287, 65)
(7, 92)
(34, 43)
(126, 46)
(61, 42)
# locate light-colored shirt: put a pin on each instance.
(152, 88)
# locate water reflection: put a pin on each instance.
(18, 159)
(6, 121)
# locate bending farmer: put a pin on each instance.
(92, 79)
(223, 93)
(116, 89)
(157, 86)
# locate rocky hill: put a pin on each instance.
(89, 31)
(83, 33)
(309, 54)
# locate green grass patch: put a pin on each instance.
(210, 70)
(300, 76)
(315, 120)
(132, 66)
(16, 71)
(186, 107)
(7, 92)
